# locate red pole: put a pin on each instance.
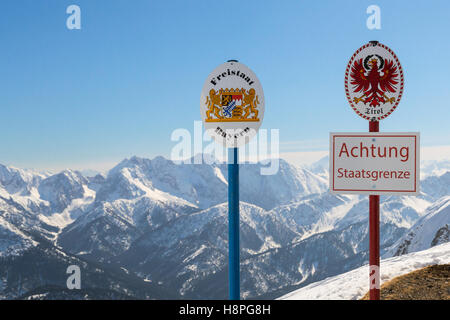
(374, 236)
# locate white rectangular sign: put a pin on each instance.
(376, 163)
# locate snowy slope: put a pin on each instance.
(18, 181)
(290, 183)
(140, 195)
(161, 180)
(436, 186)
(323, 212)
(315, 213)
(354, 284)
(53, 198)
(402, 211)
(190, 252)
(21, 185)
(12, 240)
(430, 230)
(16, 226)
(193, 247)
(321, 167)
(60, 189)
(434, 168)
(107, 229)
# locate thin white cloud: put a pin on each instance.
(303, 145)
(437, 153)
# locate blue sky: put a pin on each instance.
(133, 73)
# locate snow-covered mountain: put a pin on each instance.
(107, 229)
(19, 181)
(321, 167)
(167, 223)
(436, 186)
(61, 189)
(290, 183)
(431, 230)
(434, 168)
(140, 195)
(190, 249)
(40, 271)
(205, 185)
(354, 284)
(12, 240)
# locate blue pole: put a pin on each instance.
(233, 224)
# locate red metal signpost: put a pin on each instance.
(374, 87)
(374, 235)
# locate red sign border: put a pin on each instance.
(401, 82)
(383, 136)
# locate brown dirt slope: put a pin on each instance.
(429, 283)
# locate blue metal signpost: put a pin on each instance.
(233, 224)
(232, 110)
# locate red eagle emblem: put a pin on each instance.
(374, 78)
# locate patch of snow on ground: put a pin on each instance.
(354, 284)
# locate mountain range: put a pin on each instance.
(153, 229)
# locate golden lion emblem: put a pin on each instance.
(232, 105)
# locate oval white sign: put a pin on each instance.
(232, 104)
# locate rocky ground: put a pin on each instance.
(430, 283)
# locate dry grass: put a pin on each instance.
(429, 283)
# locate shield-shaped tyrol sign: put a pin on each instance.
(374, 81)
(232, 104)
